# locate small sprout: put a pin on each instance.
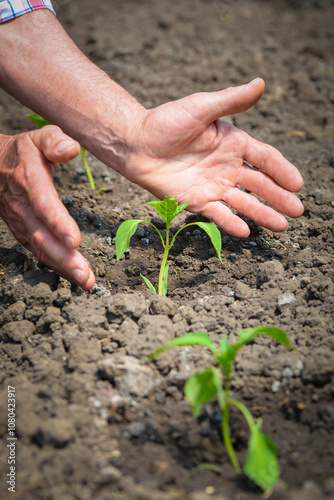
(167, 209)
(83, 157)
(261, 464)
(41, 122)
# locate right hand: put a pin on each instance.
(183, 149)
(29, 203)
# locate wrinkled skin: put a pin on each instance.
(185, 150)
(29, 203)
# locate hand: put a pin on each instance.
(29, 203)
(182, 148)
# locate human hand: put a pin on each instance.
(182, 149)
(29, 203)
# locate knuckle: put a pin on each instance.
(51, 134)
(17, 181)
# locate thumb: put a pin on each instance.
(54, 144)
(208, 107)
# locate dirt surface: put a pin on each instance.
(92, 421)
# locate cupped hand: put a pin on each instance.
(29, 203)
(184, 149)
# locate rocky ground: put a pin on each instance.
(92, 420)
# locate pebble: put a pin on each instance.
(285, 299)
(287, 372)
(275, 386)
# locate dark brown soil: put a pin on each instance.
(92, 421)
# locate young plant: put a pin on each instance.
(261, 464)
(167, 209)
(41, 122)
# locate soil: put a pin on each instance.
(93, 421)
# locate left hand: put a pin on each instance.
(29, 203)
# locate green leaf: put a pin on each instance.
(228, 351)
(168, 208)
(148, 284)
(195, 338)
(261, 464)
(211, 467)
(123, 235)
(214, 234)
(277, 334)
(201, 387)
(38, 120)
(164, 280)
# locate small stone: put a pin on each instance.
(287, 372)
(285, 298)
(297, 368)
(275, 386)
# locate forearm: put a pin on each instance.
(43, 68)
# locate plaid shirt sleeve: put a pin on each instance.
(9, 9)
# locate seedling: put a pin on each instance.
(41, 122)
(167, 209)
(261, 464)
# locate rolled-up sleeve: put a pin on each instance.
(9, 9)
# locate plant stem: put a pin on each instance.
(226, 430)
(164, 262)
(83, 156)
(245, 411)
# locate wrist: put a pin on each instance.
(111, 136)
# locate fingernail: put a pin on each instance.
(64, 145)
(69, 242)
(78, 275)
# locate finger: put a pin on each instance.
(251, 207)
(69, 264)
(265, 187)
(271, 161)
(208, 107)
(79, 276)
(223, 217)
(54, 144)
(42, 194)
(48, 208)
(37, 238)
